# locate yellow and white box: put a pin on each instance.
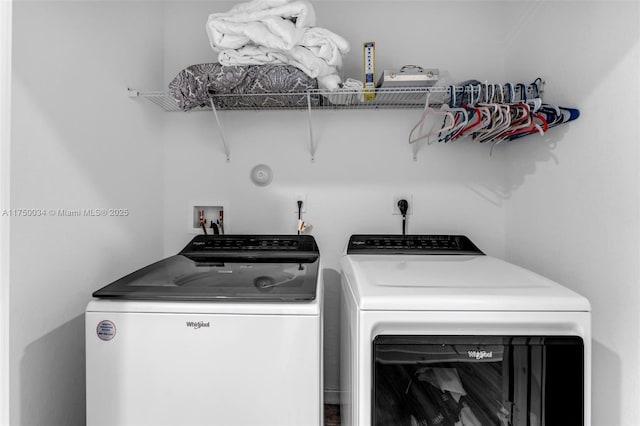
(369, 70)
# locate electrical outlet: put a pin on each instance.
(300, 196)
(395, 210)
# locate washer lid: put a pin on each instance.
(227, 269)
(452, 282)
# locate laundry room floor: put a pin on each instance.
(331, 415)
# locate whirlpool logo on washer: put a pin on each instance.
(480, 354)
(197, 324)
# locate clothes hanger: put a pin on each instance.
(500, 121)
(420, 124)
(540, 126)
(535, 104)
(548, 115)
(571, 114)
(460, 114)
(492, 112)
(486, 111)
(474, 113)
(523, 121)
(536, 101)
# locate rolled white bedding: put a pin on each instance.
(278, 32)
(278, 24)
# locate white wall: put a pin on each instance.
(78, 142)
(574, 211)
(5, 133)
(363, 157)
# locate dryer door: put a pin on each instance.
(478, 380)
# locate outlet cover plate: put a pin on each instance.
(395, 210)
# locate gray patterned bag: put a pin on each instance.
(193, 85)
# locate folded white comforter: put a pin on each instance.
(278, 24)
(278, 32)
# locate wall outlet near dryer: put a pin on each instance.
(396, 210)
(299, 196)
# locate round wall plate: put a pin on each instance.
(261, 175)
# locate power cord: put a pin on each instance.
(299, 216)
(403, 205)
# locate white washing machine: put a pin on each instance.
(436, 333)
(228, 332)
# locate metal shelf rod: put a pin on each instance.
(312, 146)
(221, 131)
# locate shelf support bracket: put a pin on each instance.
(312, 146)
(220, 130)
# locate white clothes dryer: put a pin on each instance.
(227, 332)
(436, 333)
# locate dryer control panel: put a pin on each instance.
(412, 244)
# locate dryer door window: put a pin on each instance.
(478, 380)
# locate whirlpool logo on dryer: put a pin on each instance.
(480, 354)
(197, 324)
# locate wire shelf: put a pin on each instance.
(316, 99)
(406, 98)
(342, 99)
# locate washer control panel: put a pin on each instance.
(252, 247)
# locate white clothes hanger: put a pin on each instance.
(420, 124)
(458, 112)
